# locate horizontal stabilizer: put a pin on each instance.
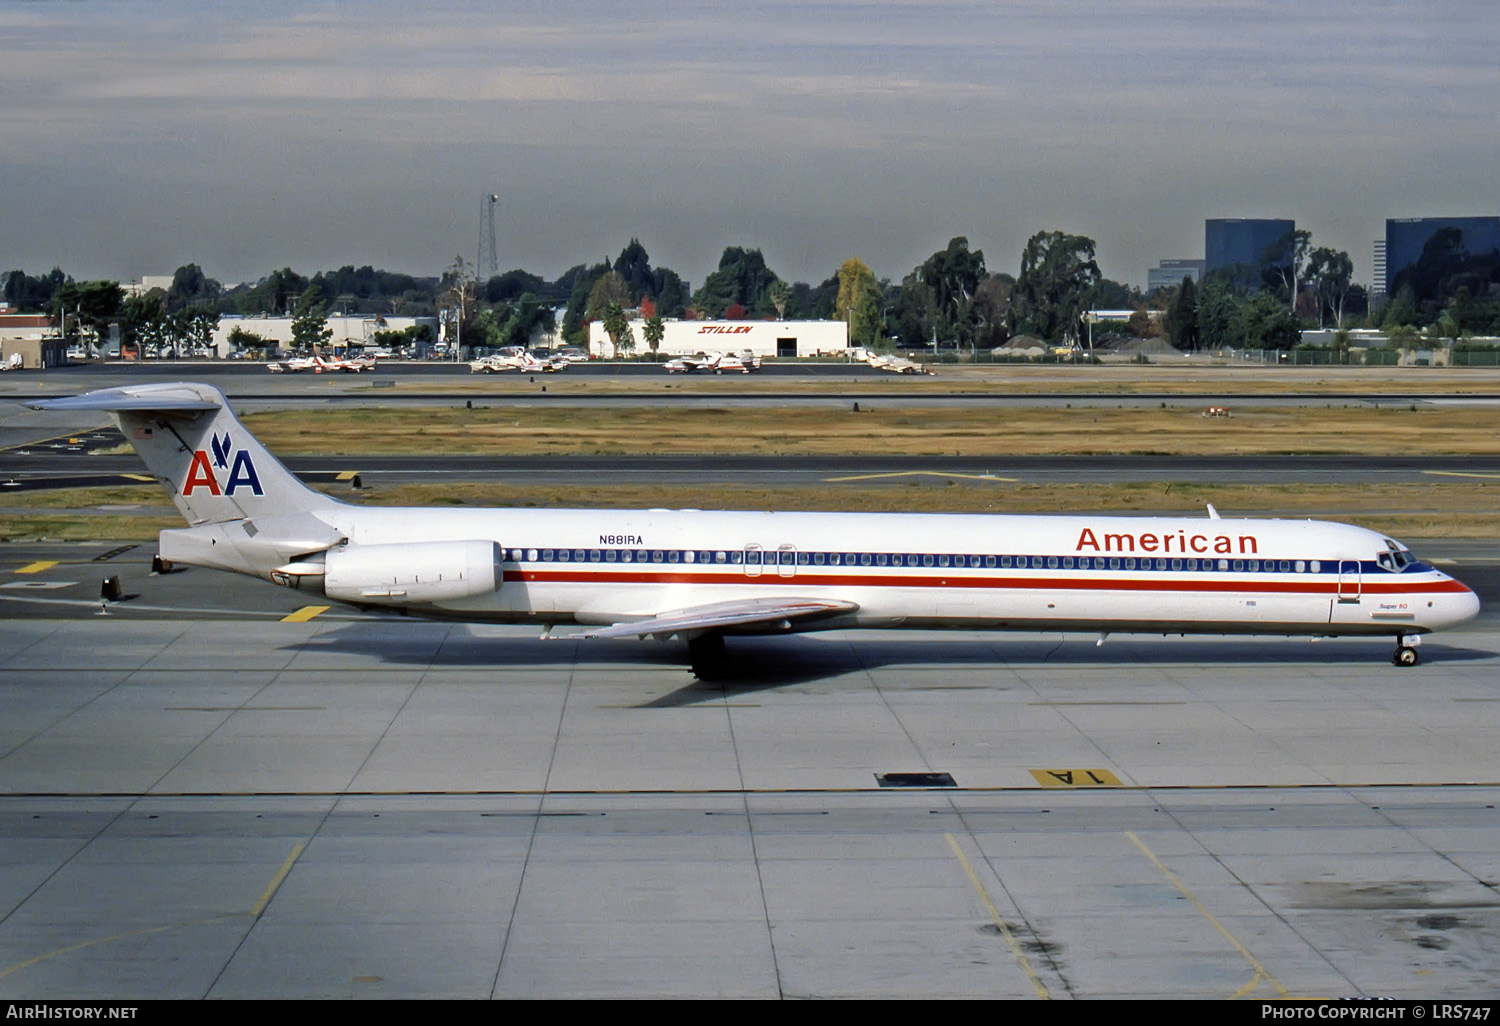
(747, 613)
(165, 398)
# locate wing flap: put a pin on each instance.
(745, 613)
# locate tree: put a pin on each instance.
(141, 320)
(991, 302)
(1218, 314)
(609, 289)
(1329, 272)
(242, 339)
(1057, 273)
(577, 315)
(310, 321)
(617, 327)
(780, 293)
(633, 265)
(1339, 345)
(858, 303)
(953, 275)
(521, 321)
(914, 315)
(273, 294)
(814, 302)
(201, 326)
(93, 304)
(1401, 336)
(33, 295)
(741, 278)
(510, 286)
(456, 296)
(1181, 320)
(1286, 260)
(191, 286)
(1264, 322)
(654, 331)
(671, 293)
(1401, 310)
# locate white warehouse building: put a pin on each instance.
(347, 331)
(764, 338)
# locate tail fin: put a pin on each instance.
(194, 445)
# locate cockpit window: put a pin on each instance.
(1395, 558)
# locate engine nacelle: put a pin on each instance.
(412, 572)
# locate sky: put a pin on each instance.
(139, 136)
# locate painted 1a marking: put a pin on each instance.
(1076, 778)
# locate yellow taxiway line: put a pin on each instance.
(1261, 973)
(1010, 938)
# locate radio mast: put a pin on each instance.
(486, 263)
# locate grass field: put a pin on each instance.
(1410, 428)
(1446, 506)
(1198, 375)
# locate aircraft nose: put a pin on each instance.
(1456, 607)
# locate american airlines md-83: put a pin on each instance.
(700, 575)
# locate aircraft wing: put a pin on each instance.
(770, 614)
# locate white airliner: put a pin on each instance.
(701, 575)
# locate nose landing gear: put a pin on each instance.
(1406, 652)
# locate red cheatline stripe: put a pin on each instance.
(1328, 586)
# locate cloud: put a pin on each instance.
(816, 129)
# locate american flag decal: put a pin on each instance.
(141, 432)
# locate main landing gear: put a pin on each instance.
(707, 655)
(1406, 652)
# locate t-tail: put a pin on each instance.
(249, 513)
